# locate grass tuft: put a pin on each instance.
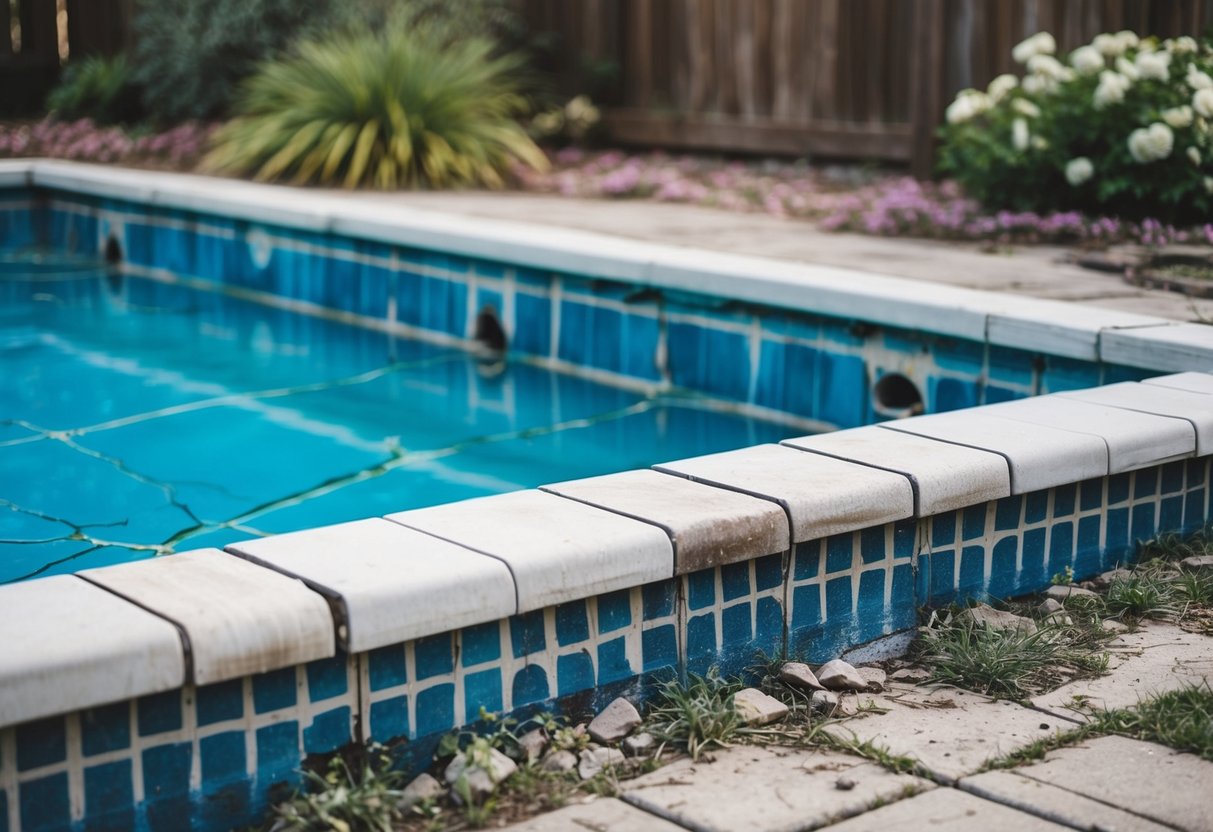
(1181, 719)
(698, 716)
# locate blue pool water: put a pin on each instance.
(139, 417)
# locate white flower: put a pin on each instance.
(1048, 66)
(1182, 45)
(1041, 43)
(1079, 170)
(1107, 45)
(1036, 84)
(1040, 143)
(1111, 89)
(1087, 59)
(1209, 184)
(1194, 156)
(1020, 137)
(1128, 39)
(1149, 144)
(1025, 108)
(1000, 86)
(1178, 117)
(1202, 102)
(1198, 80)
(1154, 65)
(1126, 68)
(968, 103)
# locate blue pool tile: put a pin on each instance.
(768, 625)
(530, 686)
(972, 572)
(1145, 483)
(434, 656)
(1116, 536)
(328, 731)
(905, 538)
(1007, 513)
(42, 742)
(735, 626)
(574, 672)
(219, 702)
(871, 544)
(768, 572)
(953, 394)
(614, 611)
(974, 523)
(613, 661)
(1087, 552)
(3, 792)
(43, 804)
(1194, 510)
(390, 718)
(943, 529)
(701, 642)
(1063, 500)
(838, 599)
(658, 599)
(839, 555)
(223, 758)
(806, 560)
(734, 581)
(843, 391)
(435, 709)
(159, 713)
(1061, 548)
(277, 749)
(1002, 568)
(1173, 477)
(709, 360)
(533, 330)
(274, 690)
(942, 572)
(1118, 488)
(166, 785)
(109, 797)
(641, 338)
(107, 728)
(1144, 525)
(386, 667)
(701, 589)
(482, 689)
(327, 678)
(481, 643)
(1171, 514)
(787, 378)
(806, 606)
(572, 623)
(1090, 494)
(526, 633)
(871, 608)
(1036, 507)
(659, 647)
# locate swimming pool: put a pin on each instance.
(139, 418)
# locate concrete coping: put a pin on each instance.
(123, 631)
(1036, 325)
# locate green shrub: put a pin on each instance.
(97, 88)
(190, 55)
(1123, 127)
(397, 107)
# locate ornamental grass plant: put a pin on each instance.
(1122, 126)
(398, 107)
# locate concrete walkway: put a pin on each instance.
(952, 736)
(1036, 271)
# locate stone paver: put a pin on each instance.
(1160, 783)
(945, 810)
(769, 789)
(1014, 789)
(950, 732)
(1154, 659)
(601, 815)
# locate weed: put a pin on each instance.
(867, 749)
(1181, 719)
(699, 716)
(1037, 750)
(1171, 547)
(1145, 593)
(362, 797)
(1063, 578)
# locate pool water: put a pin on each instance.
(139, 417)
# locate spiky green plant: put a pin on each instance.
(96, 87)
(398, 107)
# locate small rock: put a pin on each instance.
(481, 779)
(799, 674)
(1111, 575)
(987, 616)
(532, 745)
(838, 675)
(1059, 619)
(640, 744)
(1111, 625)
(1197, 562)
(615, 722)
(592, 762)
(876, 678)
(1061, 592)
(423, 787)
(1049, 606)
(559, 761)
(844, 784)
(824, 702)
(756, 708)
(847, 706)
(910, 674)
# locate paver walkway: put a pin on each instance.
(1105, 783)
(1036, 271)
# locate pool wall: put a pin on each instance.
(134, 696)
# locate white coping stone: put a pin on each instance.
(15, 173)
(1192, 382)
(1070, 329)
(1174, 347)
(1135, 440)
(557, 550)
(822, 495)
(708, 526)
(392, 583)
(1196, 408)
(238, 618)
(1040, 457)
(66, 644)
(945, 476)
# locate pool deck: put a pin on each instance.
(1033, 271)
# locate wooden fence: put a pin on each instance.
(846, 78)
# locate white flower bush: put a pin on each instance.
(1120, 126)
